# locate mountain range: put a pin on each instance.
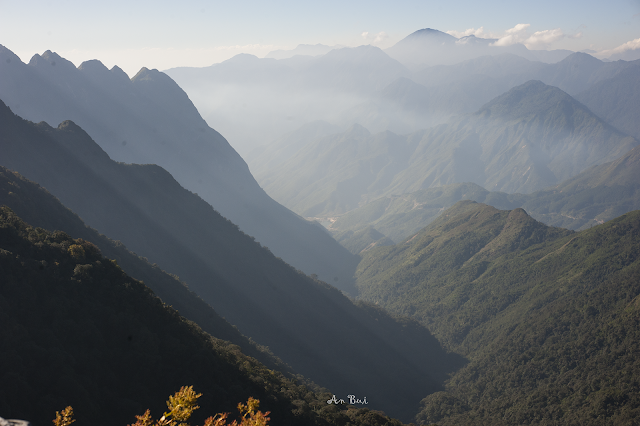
(547, 317)
(146, 238)
(77, 331)
(428, 47)
(149, 119)
(308, 324)
(592, 197)
(529, 138)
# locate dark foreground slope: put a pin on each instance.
(76, 330)
(150, 119)
(547, 317)
(350, 349)
(38, 207)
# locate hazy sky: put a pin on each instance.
(162, 34)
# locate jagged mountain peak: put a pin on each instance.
(51, 61)
(98, 72)
(119, 72)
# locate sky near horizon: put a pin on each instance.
(162, 34)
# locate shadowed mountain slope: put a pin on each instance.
(36, 205)
(150, 119)
(310, 325)
(76, 330)
(547, 317)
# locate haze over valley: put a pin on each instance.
(410, 226)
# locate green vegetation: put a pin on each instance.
(547, 318)
(312, 327)
(81, 332)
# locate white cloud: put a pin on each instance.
(471, 31)
(375, 39)
(518, 35)
(630, 45)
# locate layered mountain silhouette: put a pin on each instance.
(149, 119)
(592, 197)
(278, 96)
(35, 204)
(527, 139)
(548, 317)
(311, 326)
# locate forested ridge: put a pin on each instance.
(547, 318)
(78, 331)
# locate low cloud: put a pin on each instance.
(480, 33)
(375, 39)
(630, 45)
(518, 35)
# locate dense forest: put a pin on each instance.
(78, 331)
(548, 318)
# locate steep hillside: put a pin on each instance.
(38, 207)
(305, 322)
(76, 330)
(149, 119)
(548, 318)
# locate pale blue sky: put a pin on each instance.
(162, 34)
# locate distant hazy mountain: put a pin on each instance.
(150, 119)
(401, 216)
(302, 49)
(269, 156)
(597, 195)
(628, 55)
(307, 323)
(428, 47)
(547, 317)
(254, 101)
(617, 99)
(527, 139)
